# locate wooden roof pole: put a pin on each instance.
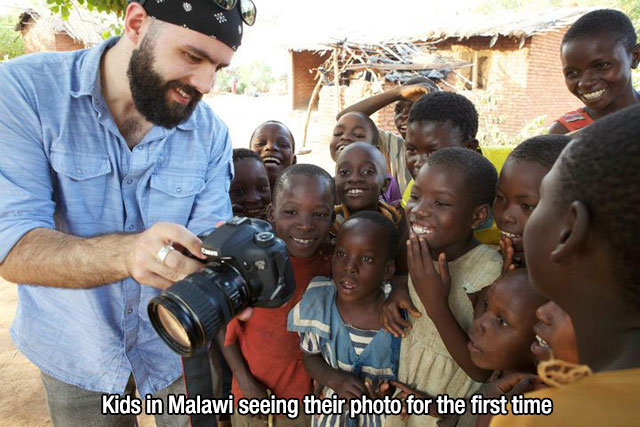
(336, 79)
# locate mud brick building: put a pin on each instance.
(515, 58)
(45, 31)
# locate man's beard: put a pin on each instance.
(150, 91)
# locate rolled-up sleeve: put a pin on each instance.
(25, 174)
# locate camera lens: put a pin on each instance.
(190, 313)
(172, 326)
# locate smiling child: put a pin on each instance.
(555, 335)
(261, 353)
(518, 191)
(250, 193)
(598, 53)
(452, 196)
(360, 182)
(356, 127)
(274, 143)
(352, 127)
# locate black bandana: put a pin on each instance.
(203, 16)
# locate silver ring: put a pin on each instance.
(161, 256)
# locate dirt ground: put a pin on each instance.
(22, 401)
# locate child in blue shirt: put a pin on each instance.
(345, 349)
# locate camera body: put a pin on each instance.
(251, 247)
(247, 265)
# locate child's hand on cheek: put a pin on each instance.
(507, 251)
(433, 288)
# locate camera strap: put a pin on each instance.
(202, 377)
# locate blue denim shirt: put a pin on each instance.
(65, 165)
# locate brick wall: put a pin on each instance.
(64, 42)
(504, 75)
(302, 81)
(546, 91)
(37, 41)
(527, 80)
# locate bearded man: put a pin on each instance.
(110, 161)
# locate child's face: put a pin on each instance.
(274, 145)
(360, 177)
(422, 139)
(597, 70)
(250, 192)
(401, 116)
(441, 208)
(517, 195)
(500, 338)
(554, 335)
(302, 214)
(360, 261)
(350, 128)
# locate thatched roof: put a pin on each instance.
(514, 25)
(82, 26)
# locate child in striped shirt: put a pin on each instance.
(345, 349)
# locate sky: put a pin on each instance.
(268, 39)
(283, 22)
(280, 22)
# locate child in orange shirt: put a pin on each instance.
(261, 353)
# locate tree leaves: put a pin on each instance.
(63, 7)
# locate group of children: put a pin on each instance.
(400, 295)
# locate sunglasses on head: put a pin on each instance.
(247, 9)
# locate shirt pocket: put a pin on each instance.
(172, 197)
(82, 181)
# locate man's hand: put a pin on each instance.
(433, 287)
(391, 317)
(142, 262)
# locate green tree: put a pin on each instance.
(63, 7)
(11, 44)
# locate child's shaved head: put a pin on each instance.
(370, 149)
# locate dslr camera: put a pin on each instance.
(247, 265)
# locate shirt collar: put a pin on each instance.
(89, 82)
